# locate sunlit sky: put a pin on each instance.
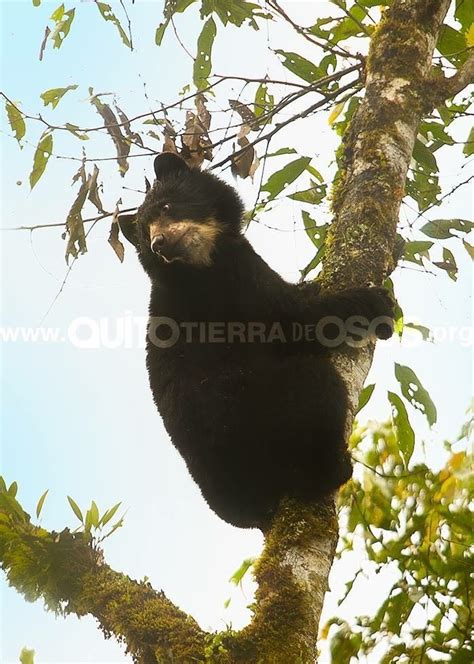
(81, 422)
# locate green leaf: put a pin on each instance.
(115, 527)
(239, 574)
(264, 101)
(16, 120)
(314, 195)
(424, 156)
(109, 515)
(298, 65)
(452, 44)
(417, 250)
(171, 7)
(28, 656)
(336, 112)
(58, 13)
(317, 234)
(469, 248)
(13, 489)
(40, 504)
(405, 433)
(36, 3)
(365, 396)
(203, 62)
(436, 134)
(108, 15)
(41, 158)
(94, 514)
(76, 509)
(441, 229)
(415, 393)
(55, 95)
(398, 611)
(160, 32)
(74, 129)
(236, 12)
(351, 25)
(422, 329)
(469, 145)
(63, 22)
(285, 176)
(320, 237)
(423, 187)
(448, 264)
(280, 152)
(464, 13)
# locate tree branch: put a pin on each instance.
(69, 573)
(446, 88)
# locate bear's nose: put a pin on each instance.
(157, 243)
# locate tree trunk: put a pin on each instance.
(368, 191)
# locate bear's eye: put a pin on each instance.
(166, 207)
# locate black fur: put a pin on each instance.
(253, 421)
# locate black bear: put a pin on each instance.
(249, 399)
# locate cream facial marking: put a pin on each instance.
(187, 240)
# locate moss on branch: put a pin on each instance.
(69, 573)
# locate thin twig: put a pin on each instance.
(339, 4)
(63, 223)
(265, 137)
(334, 49)
(130, 36)
(261, 80)
(309, 88)
(180, 42)
(66, 276)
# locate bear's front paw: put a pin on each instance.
(382, 310)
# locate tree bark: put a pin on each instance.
(292, 572)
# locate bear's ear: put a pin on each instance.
(169, 163)
(128, 226)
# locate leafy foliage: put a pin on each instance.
(108, 15)
(16, 120)
(414, 524)
(55, 95)
(41, 158)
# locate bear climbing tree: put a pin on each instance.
(405, 78)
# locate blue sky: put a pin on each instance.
(82, 422)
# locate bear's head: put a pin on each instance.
(184, 216)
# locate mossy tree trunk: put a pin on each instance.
(293, 570)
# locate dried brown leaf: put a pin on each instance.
(114, 239)
(122, 145)
(169, 133)
(242, 163)
(94, 190)
(126, 125)
(74, 224)
(247, 115)
(47, 32)
(202, 112)
(196, 142)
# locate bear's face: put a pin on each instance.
(184, 214)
